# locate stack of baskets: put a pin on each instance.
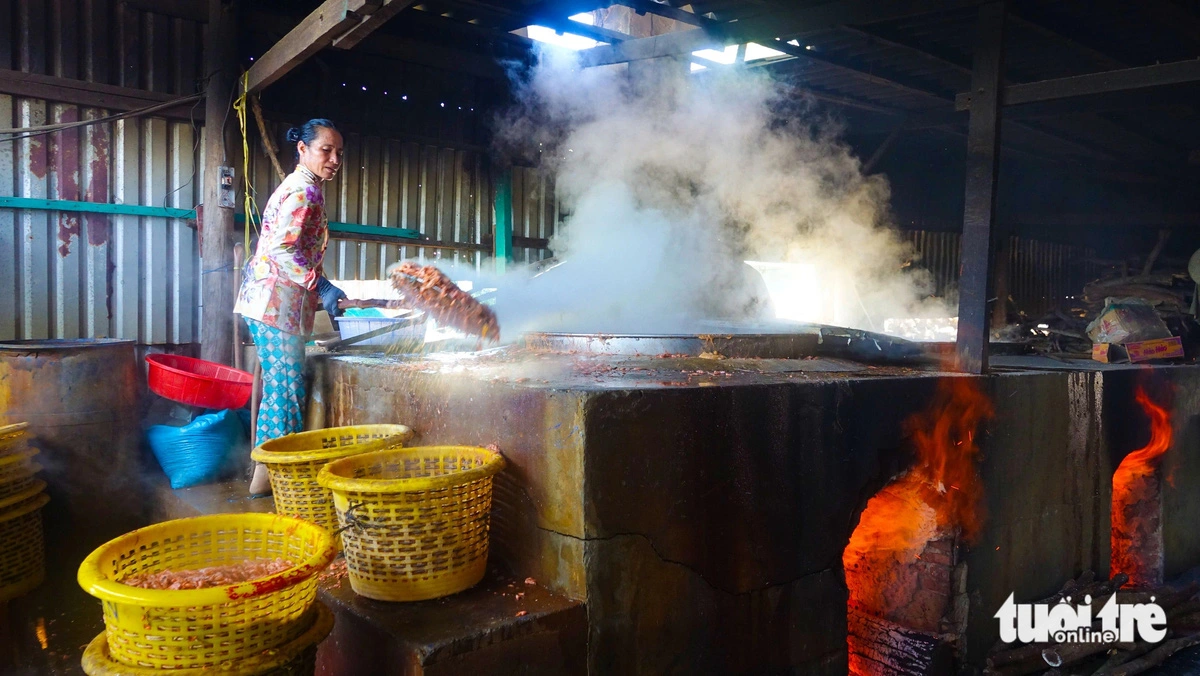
(22, 496)
(270, 625)
(414, 522)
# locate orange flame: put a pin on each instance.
(1136, 505)
(1145, 460)
(938, 497)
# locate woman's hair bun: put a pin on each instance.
(294, 135)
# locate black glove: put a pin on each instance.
(330, 295)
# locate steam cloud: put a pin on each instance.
(670, 181)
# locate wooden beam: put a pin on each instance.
(216, 229)
(380, 16)
(666, 11)
(315, 32)
(563, 25)
(765, 27)
(979, 212)
(1122, 80)
(410, 50)
(1053, 142)
(91, 94)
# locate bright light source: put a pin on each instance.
(584, 17)
(726, 56)
(795, 289)
(697, 67)
(1043, 326)
(794, 43)
(926, 329)
(755, 51)
(566, 40)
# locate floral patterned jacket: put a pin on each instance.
(280, 284)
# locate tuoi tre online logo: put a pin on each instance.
(1064, 623)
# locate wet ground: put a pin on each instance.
(45, 632)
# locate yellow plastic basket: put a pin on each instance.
(297, 658)
(17, 472)
(22, 552)
(12, 438)
(203, 628)
(293, 462)
(415, 520)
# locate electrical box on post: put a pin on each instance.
(227, 190)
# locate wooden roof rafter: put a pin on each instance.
(1099, 121)
(352, 20)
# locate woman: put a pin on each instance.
(280, 293)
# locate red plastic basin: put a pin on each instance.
(197, 382)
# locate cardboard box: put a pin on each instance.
(1108, 353)
(1146, 350)
(1163, 348)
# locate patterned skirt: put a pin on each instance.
(281, 354)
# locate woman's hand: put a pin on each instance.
(330, 295)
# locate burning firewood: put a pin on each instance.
(1137, 541)
(1156, 656)
(907, 605)
(895, 649)
(427, 288)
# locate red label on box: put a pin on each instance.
(1164, 348)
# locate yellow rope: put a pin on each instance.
(250, 205)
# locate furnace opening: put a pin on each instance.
(907, 605)
(1137, 536)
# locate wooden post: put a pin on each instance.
(983, 143)
(216, 227)
(1000, 286)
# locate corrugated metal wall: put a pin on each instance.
(1041, 275)
(535, 211)
(68, 275)
(445, 193)
(65, 275)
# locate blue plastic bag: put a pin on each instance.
(194, 453)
